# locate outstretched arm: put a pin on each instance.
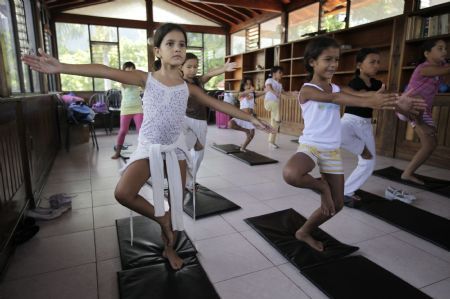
(227, 67)
(377, 100)
(435, 70)
(50, 65)
(211, 102)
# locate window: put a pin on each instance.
(106, 45)
(303, 21)
(48, 47)
(238, 42)
(214, 55)
(252, 38)
(8, 46)
(24, 45)
(429, 3)
(365, 11)
(270, 32)
(333, 15)
(195, 39)
(133, 47)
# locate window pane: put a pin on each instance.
(428, 3)
(194, 39)
(302, 21)
(333, 15)
(270, 32)
(365, 11)
(73, 47)
(238, 42)
(8, 46)
(105, 54)
(103, 33)
(133, 47)
(252, 38)
(24, 44)
(214, 55)
(32, 43)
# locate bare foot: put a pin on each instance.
(366, 154)
(175, 261)
(308, 239)
(243, 149)
(412, 178)
(327, 204)
(116, 156)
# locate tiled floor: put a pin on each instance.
(76, 256)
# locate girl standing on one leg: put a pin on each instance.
(160, 139)
(424, 82)
(196, 113)
(246, 97)
(319, 100)
(130, 109)
(274, 89)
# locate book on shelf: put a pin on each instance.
(422, 27)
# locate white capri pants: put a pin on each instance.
(195, 129)
(356, 133)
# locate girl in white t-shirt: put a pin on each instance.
(274, 89)
(319, 100)
(246, 97)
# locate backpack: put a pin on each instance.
(79, 112)
(100, 107)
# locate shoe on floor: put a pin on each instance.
(392, 193)
(273, 145)
(44, 214)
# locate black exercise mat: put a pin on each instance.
(438, 186)
(226, 148)
(278, 229)
(357, 277)
(147, 243)
(252, 158)
(207, 203)
(161, 282)
(423, 224)
(294, 140)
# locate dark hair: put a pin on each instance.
(128, 64)
(160, 33)
(190, 56)
(313, 50)
(361, 55)
(275, 69)
(427, 46)
(243, 81)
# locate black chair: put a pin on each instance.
(113, 101)
(101, 98)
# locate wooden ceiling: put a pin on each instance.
(227, 13)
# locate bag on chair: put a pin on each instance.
(80, 112)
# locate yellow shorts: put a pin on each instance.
(329, 161)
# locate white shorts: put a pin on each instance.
(329, 161)
(243, 124)
(194, 129)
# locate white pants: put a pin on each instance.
(195, 129)
(357, 133)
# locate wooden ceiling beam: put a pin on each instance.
(217, 14)
(59, 7)
(266, 5)
(241, 12)
(222, 12)
(230, 12)
(207, 15)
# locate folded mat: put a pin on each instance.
(207, 203)
(438, 186)
(357, 277)
(278, 229)
(423, 224)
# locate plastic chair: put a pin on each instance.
(100, 98)
(113, 101)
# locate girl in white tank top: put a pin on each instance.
(247, 105)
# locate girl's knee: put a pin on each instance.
(122, 195)
(291, 175)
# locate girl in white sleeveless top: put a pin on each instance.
(319, 100)
(246, 104)
(160, 139)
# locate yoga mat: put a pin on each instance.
(423, 224)
(226, 148)
(438, 186)
(252, 158)
(356, 277)
(208, 203)
(278, 229)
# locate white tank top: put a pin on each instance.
(322, 122)
(164, 111)
(248, 101)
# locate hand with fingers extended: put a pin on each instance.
(229, 66)
(260, 125)
(43, 63)
(408, 104)
(382, 100)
